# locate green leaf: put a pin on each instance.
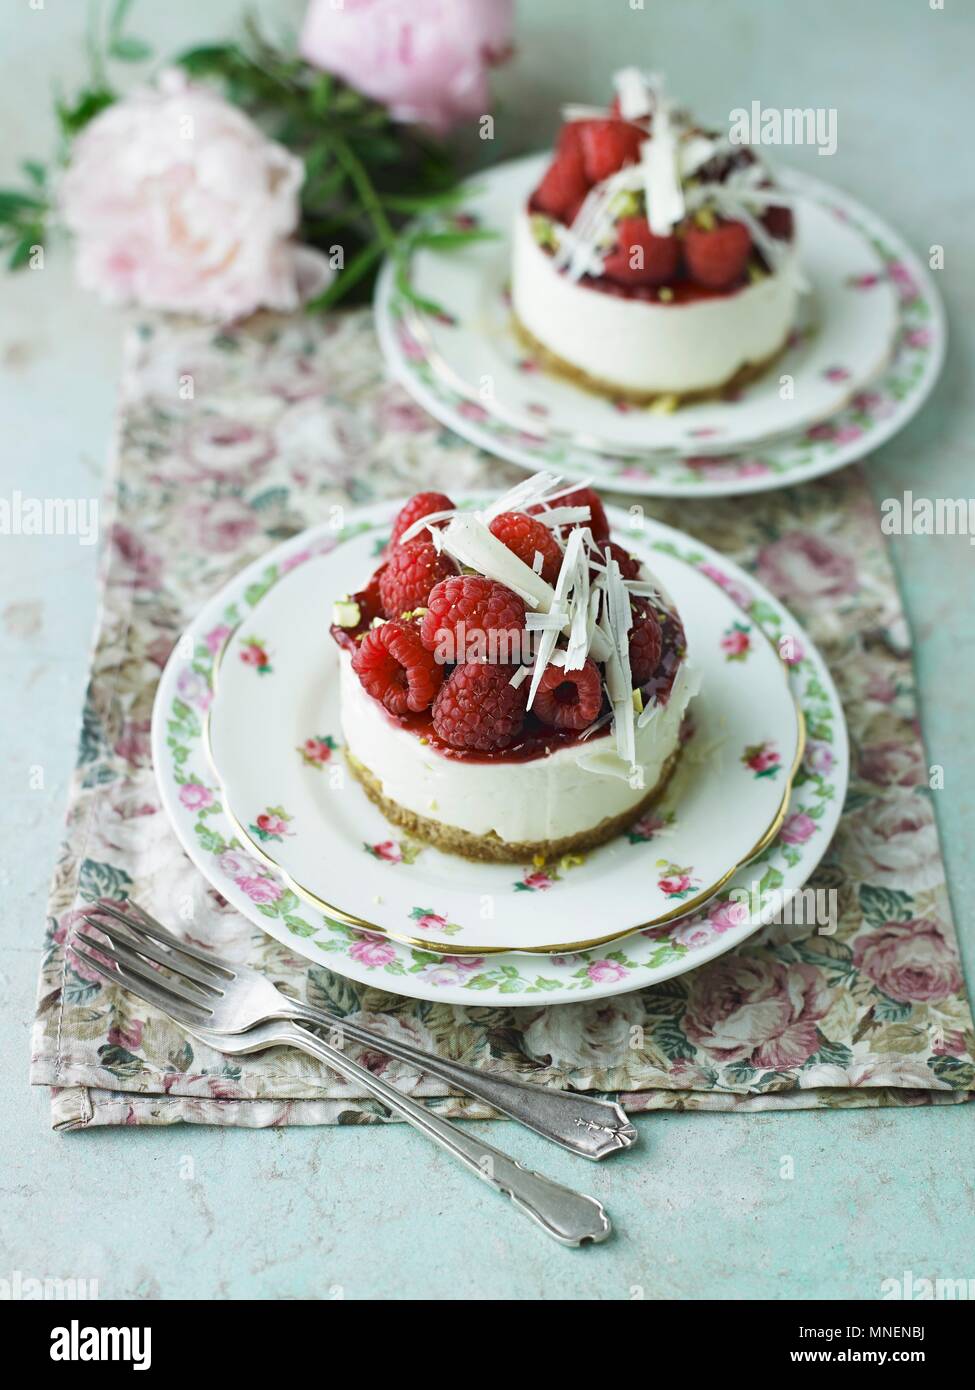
(21, 253)
(128, 50)
(359, 266)
(959, 1074)
(35, 171)
(446, 241)
(13, 203)
(208, 58)
(99, 880)
(86, 107)
(881, 905)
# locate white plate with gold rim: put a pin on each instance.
(866, 351)
(286, 813)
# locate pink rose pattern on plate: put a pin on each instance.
(874, 1014)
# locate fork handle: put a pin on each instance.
(569, 1217)
(590, 1127)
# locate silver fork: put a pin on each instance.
(236, 997)
(569, 1217)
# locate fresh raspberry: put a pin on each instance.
(564, 186)
(523, 535)
(420, 504)
(640, 257)
(410, 574)
(607, 145)
(646, 641)
(479, 709)
(582, 497)
(395, 667)
(717, 258)
(629, 565)
(569, 699)
(493, 619)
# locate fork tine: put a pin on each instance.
(122, 956)
(168, 1003)
(167, 958)
(147, 925)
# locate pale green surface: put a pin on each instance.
(701, 1209)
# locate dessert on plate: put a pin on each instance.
(655, 258)
(512, 680)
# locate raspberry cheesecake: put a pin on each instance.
(512, 680)
(655, 258)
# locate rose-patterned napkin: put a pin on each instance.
(229, 442)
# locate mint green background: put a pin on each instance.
(700, 1207)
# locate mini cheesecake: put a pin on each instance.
(553, 752)
(653, 260)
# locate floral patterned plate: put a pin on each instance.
(234, 857)
(866, 352)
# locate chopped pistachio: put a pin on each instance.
(345, 613)
(665, 294)
(543, 230)
(625, 204)
(664, 405)
(638, 701)
(756, 273)
(704, 218)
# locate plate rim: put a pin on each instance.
(847, 452)
(351, 919)
(415, 983)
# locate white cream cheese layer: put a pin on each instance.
(644, 346)
(571, 790)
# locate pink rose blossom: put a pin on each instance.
(797, 829)
(791, 650)
(746, 1008)
(537, 880)
(220, 526)
(426, 60)
(179, 202)
(736, 642)
(728, 915)
(819, 757)
(388, 851)
(194, 688)
(903, 281)
(806, 568)
(763, 759)
(892, 841)
(194, 796)
(909, 961)
(253, 655)
(259, 889)
(272, 824)
(606, 971)
(369, 950)
(128, 1035)
(676, 883)
(318, 751)
(721, 917)
(893, 764)
(918, 337)
(216, 637)
(236, 865)
(430, 919)
(735, 591)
